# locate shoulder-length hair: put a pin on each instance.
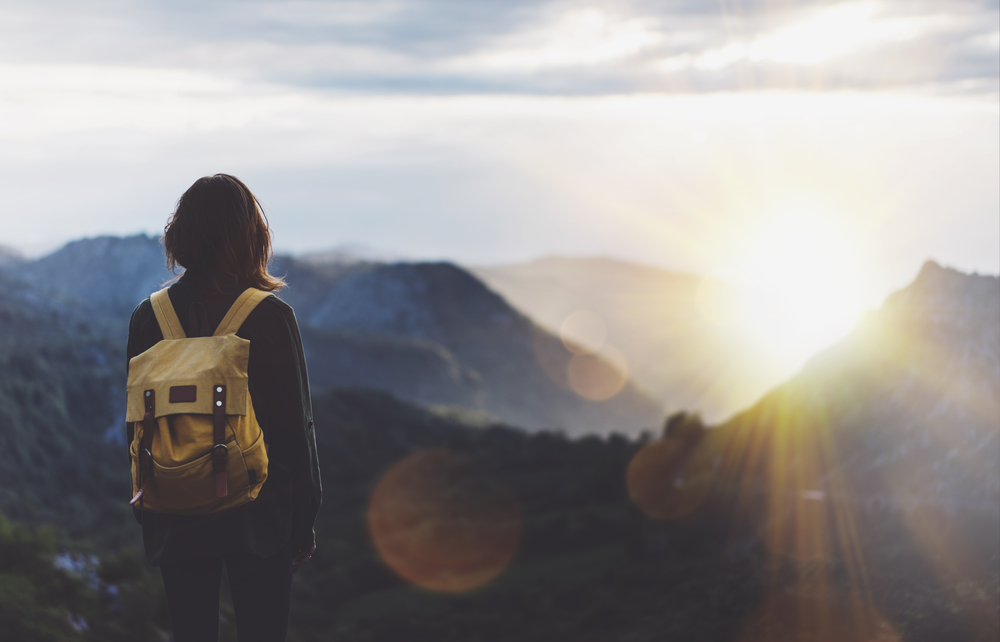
(219, 230)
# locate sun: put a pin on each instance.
(801, 283)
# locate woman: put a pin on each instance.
(220, 236)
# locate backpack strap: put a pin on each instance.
(166, 317)
(241, 309)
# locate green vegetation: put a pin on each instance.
(62, 437)
(50, 595)
(589, 565)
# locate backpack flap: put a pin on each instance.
(182, 373)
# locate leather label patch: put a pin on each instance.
(183, 394)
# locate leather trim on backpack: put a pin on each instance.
(183, 394)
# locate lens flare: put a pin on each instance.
(583, 332)
(803, 283)
(439, 523)
(669, 478)
(816, 615)
(598, 376)
(801, 527)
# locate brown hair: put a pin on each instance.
(219, 230)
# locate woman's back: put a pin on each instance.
(273, 534)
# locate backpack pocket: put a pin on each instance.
(255, 460)
(190, 488)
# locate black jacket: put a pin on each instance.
(285, 510)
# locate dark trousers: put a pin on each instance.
(261, 591)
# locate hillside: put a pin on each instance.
(885, 450)
(905, 411)
(60, 418)
(590, 566)
(433, 333)
(856, 502)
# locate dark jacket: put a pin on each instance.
(285, 510)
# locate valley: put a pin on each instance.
(859, 499)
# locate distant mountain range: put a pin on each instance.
(426, 332)
(880, 460)
(656, 317)
(104, 277)
(9, 257)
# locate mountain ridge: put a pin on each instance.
(909, 401)
(881, 453)
(429, 332)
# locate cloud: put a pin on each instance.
(632, 129)
(526, 47)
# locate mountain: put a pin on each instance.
(657, 318)
(858, 501)
(904, 412)
(10, 257)
(350, 253)
(105, 276)
(426, 332)
(884, 453)
(432, 332)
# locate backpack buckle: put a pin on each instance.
(219, 466)
(219, 457)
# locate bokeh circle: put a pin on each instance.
(441, 524)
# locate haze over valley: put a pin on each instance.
(625, 321)
(878, 460)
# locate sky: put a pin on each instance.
(673, 133)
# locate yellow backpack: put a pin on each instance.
(197, 446)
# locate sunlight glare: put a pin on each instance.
(817, 614)
(828, 34)
(831, 32)
(802, 283)
(581, 37)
